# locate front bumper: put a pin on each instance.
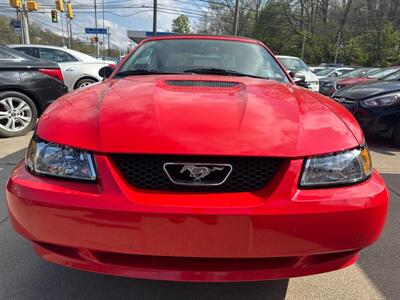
(278, 232)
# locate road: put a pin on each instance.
(375, 276)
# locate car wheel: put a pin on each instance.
(18, 114)
(396, 135)
(84, 82)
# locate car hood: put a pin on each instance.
(162, 114)
(354, 80)
(368, 89)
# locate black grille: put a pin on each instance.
(147, 172)
(202, 83)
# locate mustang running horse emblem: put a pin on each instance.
(199, 173)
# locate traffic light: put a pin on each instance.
(15, 3)
(60, 5)
(54, 17)
(31, 5)
(70, 13)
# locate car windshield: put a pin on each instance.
(393, 76)
(382, 73)
(293, 63)
(202, 56)
(325, 72)
(356, 73)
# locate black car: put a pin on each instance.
(327, 85)
(376, 106)
(27, 86)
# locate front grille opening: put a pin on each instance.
(147, 172)
(202, 83)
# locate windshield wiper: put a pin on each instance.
(224, 72)
(141, 72)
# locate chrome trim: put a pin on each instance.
(198, 164)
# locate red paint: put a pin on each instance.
(349, 81)
(55, 73)
(279, 231)
(264, 118)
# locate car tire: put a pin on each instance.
(18, 114)
(396, 135)
(84, 83)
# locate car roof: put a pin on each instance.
(24, 59)
(76, 54)
(204, 37)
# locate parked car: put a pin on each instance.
(378, 74)
(79, 69)
(27, 86)
(295, 64)
(333, 72)
(375, 105)
(199, 160)
(107, 58)
(316, 69)
(328, 85)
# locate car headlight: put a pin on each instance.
(340, 168)
(49, 159)
(385, 100)
(328, 84)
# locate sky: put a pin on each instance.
(119, 16)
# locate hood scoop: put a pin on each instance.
(184, 84)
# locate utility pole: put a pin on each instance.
(25, 25)
(236, 20)
(108, 41)
(155, 18)
(337, 47)
(95, 25)
(304, 43)
(69, 33)
(62, 30)
(21, 38)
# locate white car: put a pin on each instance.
(333, 72)
(316, 69)
(79, 69)
(297, 65)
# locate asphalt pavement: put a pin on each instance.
(375, 276)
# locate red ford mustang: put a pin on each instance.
(198, 159)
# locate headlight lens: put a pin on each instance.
(386, 100)
(329, 84)
(338, 168)
(51, 159)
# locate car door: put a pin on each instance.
(69, 65)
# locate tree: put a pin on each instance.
(181, 24)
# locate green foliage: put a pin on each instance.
(181, 24)
(358, 32)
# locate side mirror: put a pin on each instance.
(298, 78)
(106, 72)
